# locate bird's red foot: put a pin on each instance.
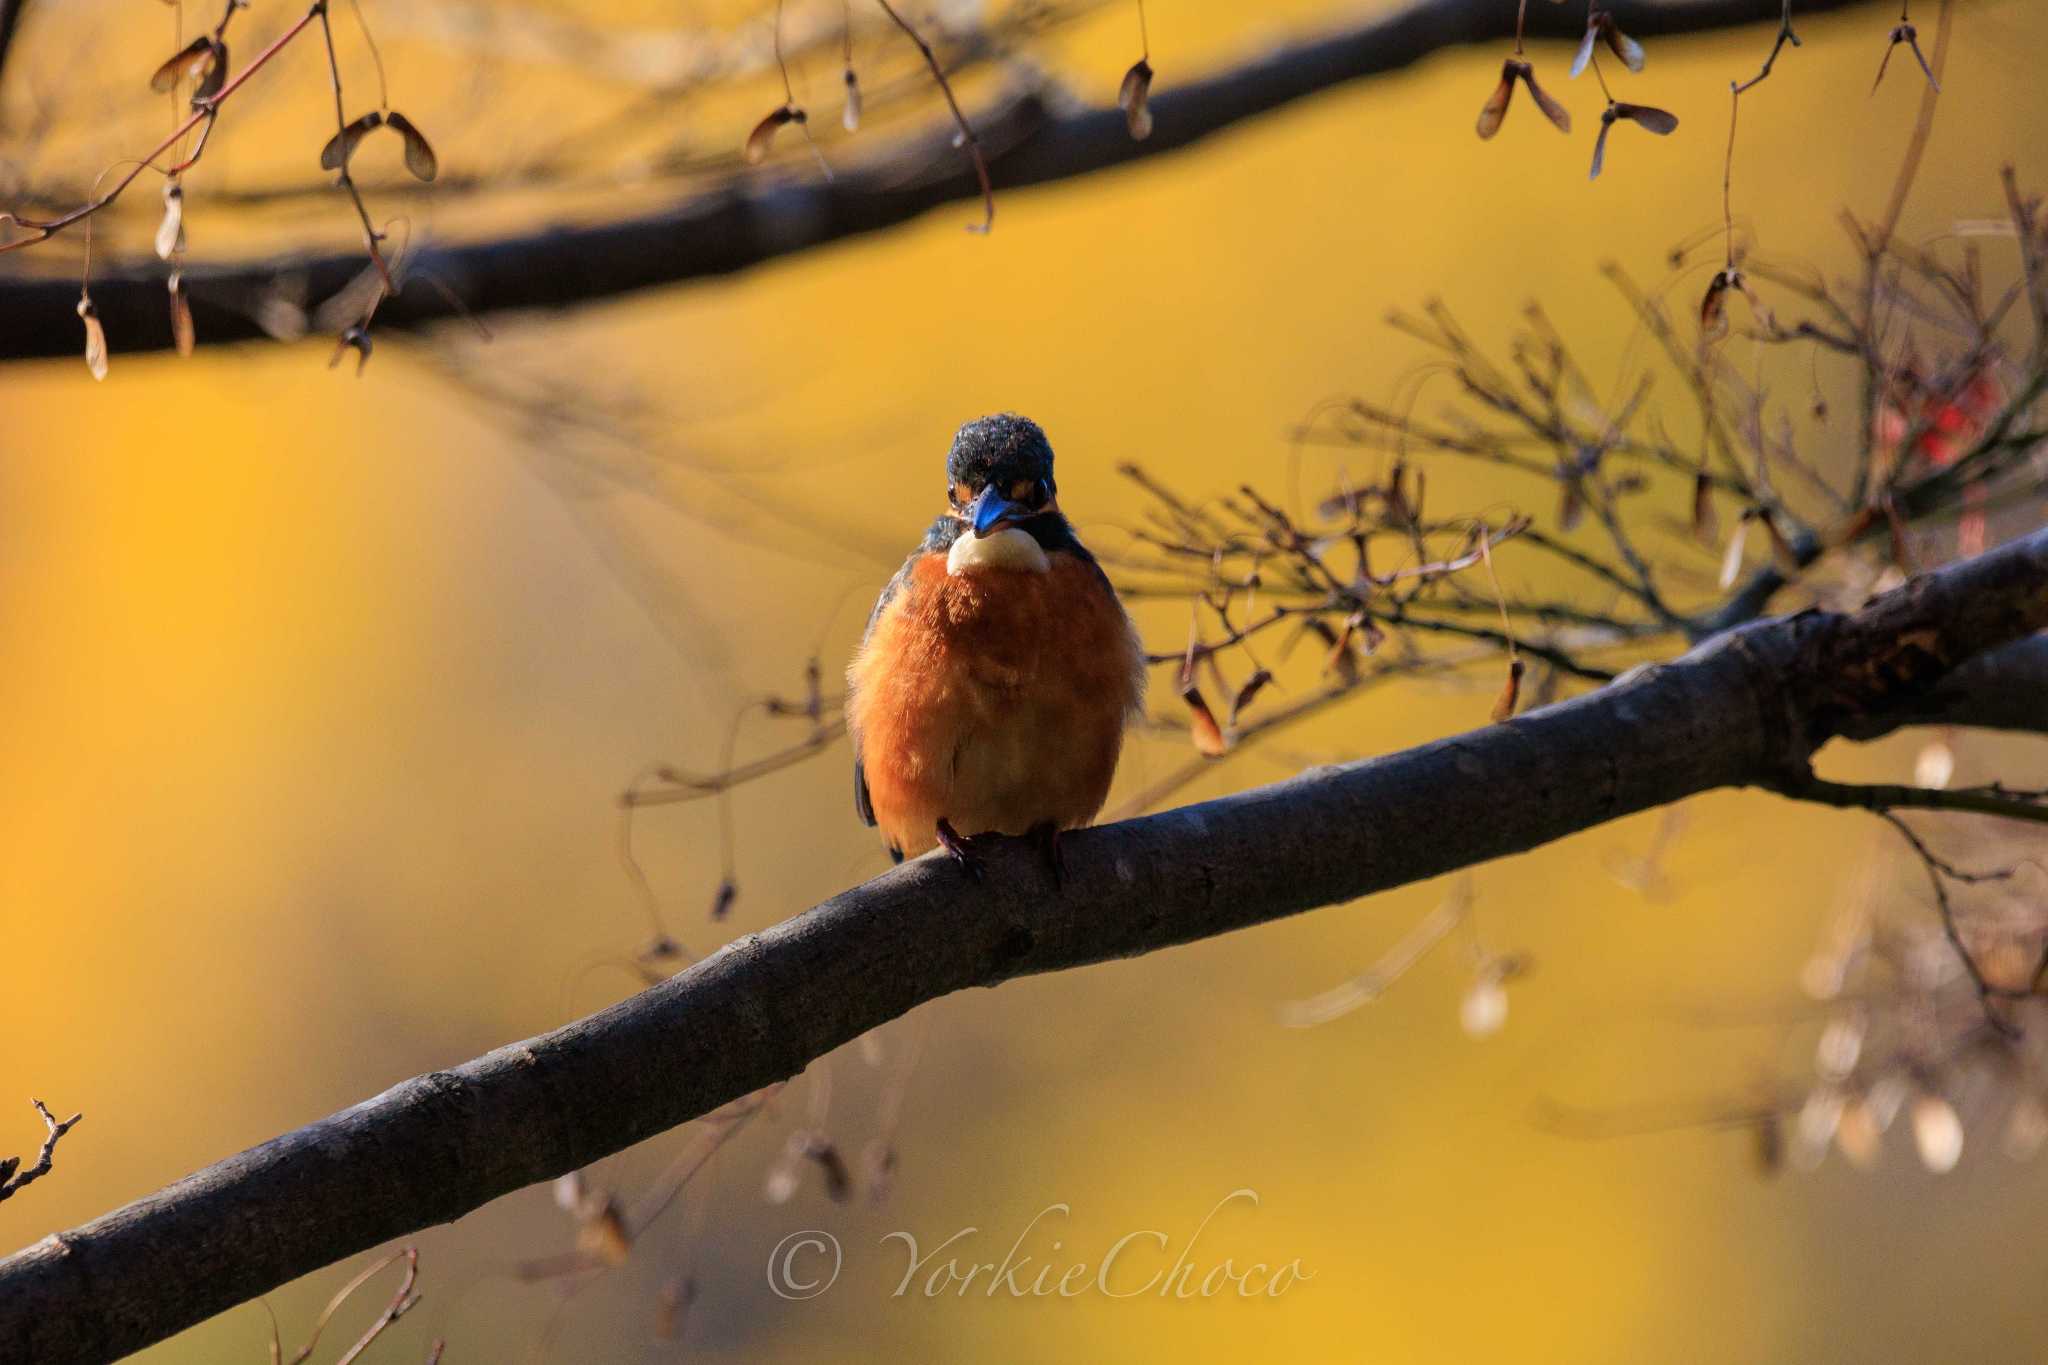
(958, 844)
(1046, 835)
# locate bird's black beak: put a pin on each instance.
(992, 510)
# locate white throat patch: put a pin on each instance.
(1008, 548)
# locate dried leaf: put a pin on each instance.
(1202, 726)
(419, 153)
(182, 335)
(1706, 527)
(95, 338)
(1554, 111)
(1133, 98)
(1244, 696)
(1510, 692)
(190, 60)
(1731, 558)
(758, 141)
(1496, 107)
(849, 118)
(170, 233)
(335, 155)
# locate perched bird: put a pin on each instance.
(991, 691)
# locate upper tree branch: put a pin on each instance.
(1746, 709)
(746, 222)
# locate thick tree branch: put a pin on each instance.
(1746, 709)
(2004, 689)
(1028, 142)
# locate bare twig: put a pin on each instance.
(12, 1177)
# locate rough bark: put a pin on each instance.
(1748, 708)
(754, 220)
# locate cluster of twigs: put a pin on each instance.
(1601, 31)
(610, 1228)
(14, 1177)
(197, 78)
(404, 1298)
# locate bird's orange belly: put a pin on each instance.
(995, 701)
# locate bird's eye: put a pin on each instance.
(953, 494)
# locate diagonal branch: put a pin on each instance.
(1029, 141)
(1747, 709)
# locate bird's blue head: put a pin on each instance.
(999, 472)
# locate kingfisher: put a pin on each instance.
(999, 669)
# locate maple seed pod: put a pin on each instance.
(1202, 726)
(419, 153)
(1648, 117)
(721, 904)
(1934, 767)
(783, 1179)
(673, 1306)
(603, 1237)
(189, 60)
(1133, 98)
(1496, 107)
(838, 1180)
(335, 155)
(170, 233)
(1510, 692)
(1626, 48)
(1244, 696)
(357, 338)
(1706, 527)
(95, 337)
(1937, 1133)
(1731, 558)
(849, 118)
(213, 75)
(758, 141)
(1786, 562)
(1714, 306)
(1584, 56)
(878, 1161)
(1484, 1008)
(182, 335)
(1552, 110)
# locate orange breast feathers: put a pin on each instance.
(995, 699)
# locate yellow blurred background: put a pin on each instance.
(317, 693)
